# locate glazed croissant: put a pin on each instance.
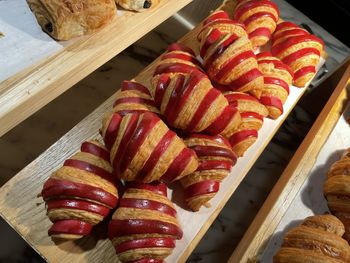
(337, 191)
(317, 240)
(277, 79)
(228, 54)
(142, 148)
(144, 227)
(81, 193)
(137, 5)
(133, 97)
(298, 49)
(186, 97)
(259, 17)
(215, 161)
(252, 115)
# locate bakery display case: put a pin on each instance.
(25, 211)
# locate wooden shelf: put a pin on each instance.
(264, 225)
(26, 92)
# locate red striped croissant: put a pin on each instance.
(133, 97)
(260, 18)
(144, 227)
(277, 79)
(228, 54)
(81, 193)
(215, 161)
(142, 148)
(186, 98)
(252, 113)
(298, 49)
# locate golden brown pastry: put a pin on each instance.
(65, 19)
(137, 5)
(228, 54)
(259, 17)
(277, 79)
(252, 115)
(144, 228)
(215, 161)
(133, 97)
(142, 148)
(298, 49)
(317, 240)
(337, 191)
(81, 193)
(186, 97)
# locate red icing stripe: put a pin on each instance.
(94, 149)
(146, 260)
(131, 85)
(258, 15)
(178, 165)
(251, 114)
(70, 226)
(78, 204)
(220, 22)
(54, 188)
(162, 85)
(204, 151)
(222, 120)
(259, 32)
(203, 107)
(158, 151)
(285, 24)
(303, 71)
(125, 112)
(245, 79)
(151, 242)
(216, 138)
(125, 227)
(241, 136)
(201, 188)
(300, 53)
(181, 56)
(215, 164)
(112, 130)
(263, 55)
(213, 36)
(147, 204)
(231, 63)
(155, 187)
(245, 7)
(289, 32)
(232, 97)
(276, 81)
(145, 125)
(272, 101)
(180, 47)
(133, 100)
(175, 68)
(217, 15)
(88, 167)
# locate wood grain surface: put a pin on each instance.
(263, 226)
(26, 92)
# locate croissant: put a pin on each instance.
(298, 49)
(142, 148)
(337, 191)
(186, 97)
(260, 18)
(252, 115)
(137, 5)
(277, 79)
(133, 97)
(144, 227)
(317, 240)
(215, 161)
(81, 193)
(228, 54)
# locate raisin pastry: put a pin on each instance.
(137, 5)
(317, 240)
(252, 114)
(215, 161)
(228, 54)
(186, 97)
(144, 228)
(277, 79)
(81, 193)
(133, 97)
(337, 191)
(64, 20)
(259, 17)
(142, 148)
(298, 49)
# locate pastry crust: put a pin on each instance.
(137, 5)
(66, 19)
(318, 239)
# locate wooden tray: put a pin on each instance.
(20, 207)
(325, 142)
(32, 88)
